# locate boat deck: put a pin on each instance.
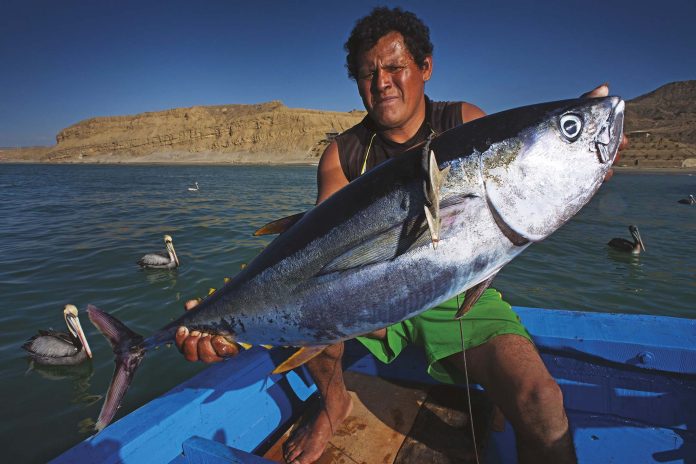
(402, 422)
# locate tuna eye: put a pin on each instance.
(571, 126)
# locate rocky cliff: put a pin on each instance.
(264, 133)
(661, 128)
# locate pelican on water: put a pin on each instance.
(60, 348)
(159, 259)
(621, 244)
(688, 201)
(194, 189)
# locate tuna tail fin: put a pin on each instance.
(127, 346)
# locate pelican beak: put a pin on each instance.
(170, 247)
(76, 328)
(640, 240)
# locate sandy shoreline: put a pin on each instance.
(653, 170)
(245, 159)
(174, 158)
(166, 163)
(617, 170)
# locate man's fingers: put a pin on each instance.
(599, 91)
(191, 346)
(181, 334)
(205, 350)
(190, 304)
(623, 145)
(223, 347)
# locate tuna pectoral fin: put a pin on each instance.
(472, 296)
(129, 353)
(279, 225)
(298, 358)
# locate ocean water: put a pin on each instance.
(72, 234)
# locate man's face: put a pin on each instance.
(391, 84)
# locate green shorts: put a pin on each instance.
(440, 335)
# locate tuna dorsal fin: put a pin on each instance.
(472, 296)
(431, 188)
(279, 225)
(298, 358)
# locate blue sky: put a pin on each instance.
(65, 61)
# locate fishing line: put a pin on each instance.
(468, 388)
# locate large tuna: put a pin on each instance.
(409, 234)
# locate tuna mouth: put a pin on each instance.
(610, 134)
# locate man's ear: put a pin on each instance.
(427, 68)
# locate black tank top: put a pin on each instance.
(362, 147)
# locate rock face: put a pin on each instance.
(661, 128)
(265, 133)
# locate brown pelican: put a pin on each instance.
(161, 260)
(621, 244)
(60, 348)
(194, 189)
(688, 201)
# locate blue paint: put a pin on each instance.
(199, 450)
(629, 384)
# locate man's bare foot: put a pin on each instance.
(307, 443)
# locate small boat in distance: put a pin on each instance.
(688, 201)
(161, 260)
(60, 348)
(194, 189)
(621, 244)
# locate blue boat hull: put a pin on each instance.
(629, 384)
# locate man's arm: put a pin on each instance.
(471, 112)
(330, 176)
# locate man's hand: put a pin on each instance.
(199, 346)
(598, 92)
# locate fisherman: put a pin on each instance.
(390, 59)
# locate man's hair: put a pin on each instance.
(380, 22)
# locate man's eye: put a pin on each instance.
(366, 74)
(394, 69)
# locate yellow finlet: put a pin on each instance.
(279, 226)
(268, 347)
(298, 358)
(246, 346)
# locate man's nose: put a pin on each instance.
(382, 79)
